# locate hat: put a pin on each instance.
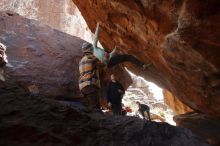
(87, 47)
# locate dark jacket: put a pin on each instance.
(113, 96)
(143, 108)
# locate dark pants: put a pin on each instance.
(91, 93)
(116, 109)
(120, 58)
(148, 114)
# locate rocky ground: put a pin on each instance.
(32, 121)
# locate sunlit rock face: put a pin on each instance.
(44, 60)
(179, 37)
(174, 103)
(59, 14)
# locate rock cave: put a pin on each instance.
(180, 38)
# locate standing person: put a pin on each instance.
(89, 82)
(115, 92)
(143, 110)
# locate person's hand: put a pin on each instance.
(109, 104)
(106, 57)
(120, 91)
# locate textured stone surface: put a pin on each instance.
(59, 14)
(35, 121)
(180, 37)
(175, 104)
(45, 60)
(201, 124)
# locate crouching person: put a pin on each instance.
(89, 82)
(144, 110)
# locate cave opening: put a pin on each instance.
(150, 94)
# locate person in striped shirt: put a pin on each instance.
(89, 82)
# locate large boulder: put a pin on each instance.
(203, 125)
(179, 37)
(44, 60)
(33, 121)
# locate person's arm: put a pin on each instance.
(98, 52)
(96, 39)
(121, 88)
(113, 52)
(95, 42)
(99, 64)
(141, 112)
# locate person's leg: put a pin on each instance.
(93, 99)
(92, 95)
(148, 114)
(142, 113)
(120, 109)
(116, 109)
(120, 58)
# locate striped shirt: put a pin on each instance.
(89, 74)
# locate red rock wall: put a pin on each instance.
(175, 104)
(179, 37)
